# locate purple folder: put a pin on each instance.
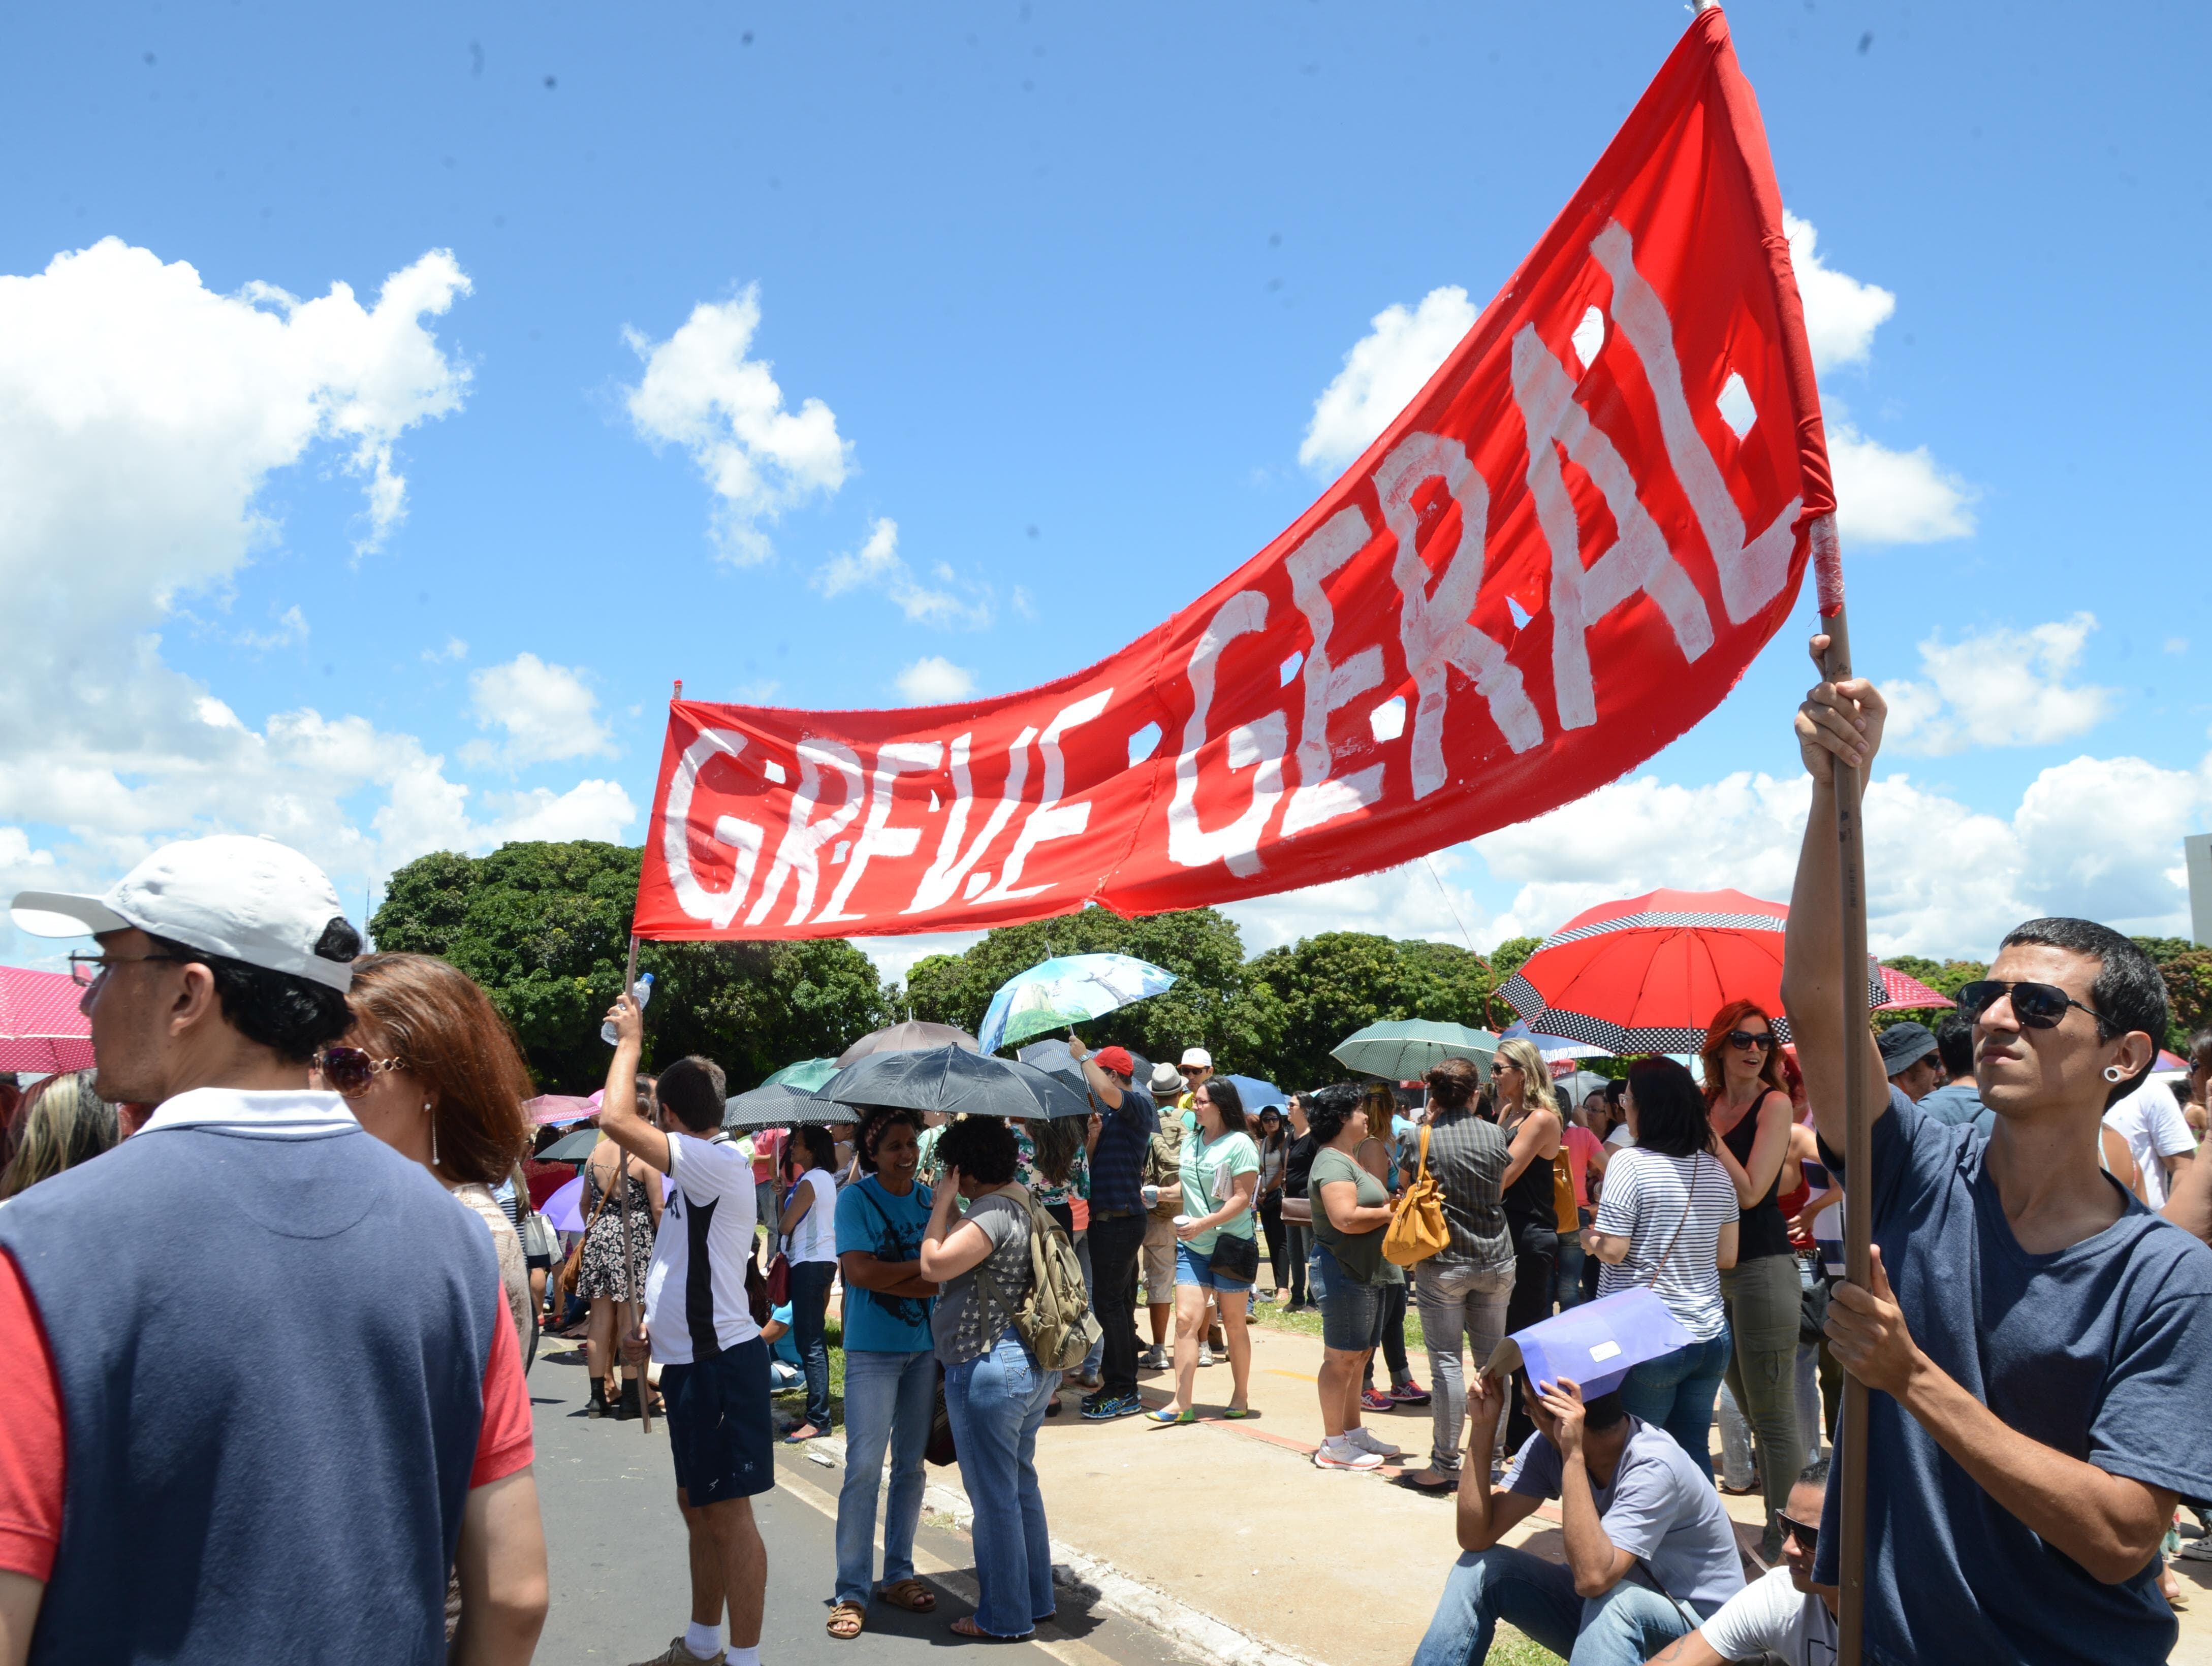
(1596, 1344)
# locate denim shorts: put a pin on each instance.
(1351, 1312)
(1191, 1269)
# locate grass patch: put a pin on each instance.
(1269, 1316)
(1509, 1648)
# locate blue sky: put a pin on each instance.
(1048, 298)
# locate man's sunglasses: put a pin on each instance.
(1189, 1069)
(1808, 1536)
(1747, 1039)
(348, 1071)
(2037, 1006)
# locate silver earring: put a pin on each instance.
(433, 1134)
(2113, 1073)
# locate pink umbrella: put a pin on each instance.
(550, 1108)
(1901, 991)
(40, 1028)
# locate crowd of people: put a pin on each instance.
(338, 1140)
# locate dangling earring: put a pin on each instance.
(433, 1133)
(2113, 1073)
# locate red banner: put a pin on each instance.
(1562, 555)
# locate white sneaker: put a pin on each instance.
(1367, 1443)
(1205, 1354)
(1330, 1455)
(1153, 1359)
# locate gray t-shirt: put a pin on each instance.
(970, 1317)
(1660, 1508)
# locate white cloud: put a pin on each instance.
(701, 391)
(590, 809)
(1889, 497)
(1841, 314)
(291, 627)
(454, 650)
(1384, 370)
(935, 681)
(546, 711)
(141, 415)
(1997, 687)
(877, 565)
(1417, 900)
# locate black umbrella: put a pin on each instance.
(1054, 1055)
(571, 1148)
(957, 1082)
(778, 1104)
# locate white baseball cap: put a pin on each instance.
(1198, 1055)
(250, 900)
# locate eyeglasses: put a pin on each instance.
(2037, 1006)
(1808, 1536)
(1747, 1039)
(1189, 1070)
(86, 970)
(348, 1071)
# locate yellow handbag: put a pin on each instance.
(1417, 1231)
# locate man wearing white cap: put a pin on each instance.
(265, 1393)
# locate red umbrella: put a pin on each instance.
(1647, 975)
(1902, 991)
(40, 1028)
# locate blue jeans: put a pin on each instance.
(810, 1306)
(997, 1404)
(1675, 1392)
(1626, 1626)
(890, 1399)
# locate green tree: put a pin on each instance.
(1200, 946)
(543, 928)
(2187, 971)
(1306, 997)
(1505, 959)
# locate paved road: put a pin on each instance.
(621, 1588)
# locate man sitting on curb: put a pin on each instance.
(1784, 1616)
(1650, 1553)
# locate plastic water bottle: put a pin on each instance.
(641, 992)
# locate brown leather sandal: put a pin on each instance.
(911, 1595)
(847, 1621)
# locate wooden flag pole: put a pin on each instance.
(632, 1308)
(1850, 1454)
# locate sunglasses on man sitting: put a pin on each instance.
(348, 1071)
(1808, 1536)
(2037, 1006)
(1747, 1039)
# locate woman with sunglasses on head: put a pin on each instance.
(431, 1069)
(1748, 1106)
(603, 1277)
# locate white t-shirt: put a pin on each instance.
(699, 1255)
(1771, 1617)
(1620, 1136)
(816, 1237)
(1671, 1211)
(2151, 1123)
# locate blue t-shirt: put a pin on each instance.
(786, 1347)
(1957, 1102)
(889, 1227)
(2102, 1350)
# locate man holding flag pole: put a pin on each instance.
(2025, 1336)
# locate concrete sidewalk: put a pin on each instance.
(1232, 1520)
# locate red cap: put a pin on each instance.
(1115, 1059)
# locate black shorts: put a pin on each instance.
(720, 1429)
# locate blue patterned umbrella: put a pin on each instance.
(1067, 990)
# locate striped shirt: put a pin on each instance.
(1671, 1211)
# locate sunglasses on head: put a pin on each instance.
(348, 1071)
(2037, 1006)
(1809, 1537)
(1747, 1039)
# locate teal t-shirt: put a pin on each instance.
(887, 1226)
(1208, 1167)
